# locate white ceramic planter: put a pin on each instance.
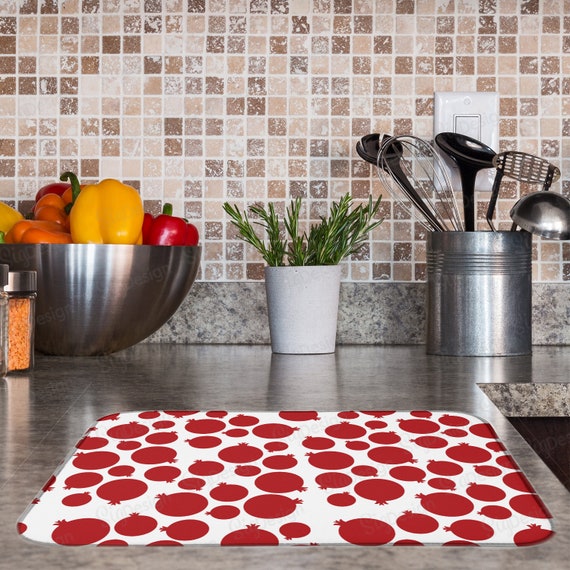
(302, 303)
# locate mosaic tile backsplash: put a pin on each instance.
(198, 102)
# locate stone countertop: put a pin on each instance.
(44, 414)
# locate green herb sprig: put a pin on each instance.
(339, 235)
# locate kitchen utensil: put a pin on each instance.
(471, 156)
(546, 214)
(368, 148)
(524, 168)
(100, 298)
(426, 173)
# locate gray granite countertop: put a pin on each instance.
(44, 414)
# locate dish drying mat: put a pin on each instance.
(177, 477)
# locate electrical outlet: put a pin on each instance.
(475, 115)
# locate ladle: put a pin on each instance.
(471, 156)
(546, 214)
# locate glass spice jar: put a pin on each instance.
(4, 270)
(22, 291)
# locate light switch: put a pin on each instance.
(473, 114)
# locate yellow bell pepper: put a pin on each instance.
(8, 217)
(107, 212)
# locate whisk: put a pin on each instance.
(413, 165)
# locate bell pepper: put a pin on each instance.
(54, 188)
(51, 207)
(37, 231)
(166, 229)
(107, 212)
(8, 217)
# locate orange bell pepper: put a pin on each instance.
(51, 207)
(37, 231)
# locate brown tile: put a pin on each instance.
(27, 85)
(383, 45)
(7, 85)
(90, 65)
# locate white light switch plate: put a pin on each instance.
(473, 114)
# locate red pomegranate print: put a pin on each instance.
(76, 499)
(341, 499)
(163, 424)
(183, 504)
(205, 468)
(83, 480)
(224, 512)
(421, 413)
(120, 490)
(529, 505)
(379, 490)
(251, 535)
(385, 437)
(348, 415)
(483, 430)
(487, 470)
(180, 413)
(420, 426)
(446, 504)
(48, 485)
(228, 492)
(407, 473)
(379, 413)
(365, 531)
(495, 512)
(517, 481)
(442, 483)
(417, 523)
(79, 532)
(188, 529)
(204, 442)
(467, 453)
(470, 529)
(240, 453)
(408, 542)
(487, 493)
(128, 445)
(533, 534)
(247, 470)
(236, 432)
(121, 471)
(136, 525)
(241, 420)
(390, 455)
(273, 431)
(316, 442)
(131, 430)
(506, 461)
(270, 506)
(280, 461)
(217, 414)
(154, 454)
(330, 460)
(149, 415)
(364, 471)
(455, 432)
(430, 441)
(110, 417)
(299, 416)
(164, 543)
(192, 483)
(294, 530)
(161, 438)
(345, 430)
(95, 460)
(444, 467)
(90, 443)
(495, 446)
(166, 473)
(452, 420)
(280, 482)
(272, 446)
(357, 445)
(205, 425)
(375, 424)
(333, 480)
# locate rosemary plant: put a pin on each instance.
(339, 235)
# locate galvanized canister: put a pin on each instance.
(479, 293)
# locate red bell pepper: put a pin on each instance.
(54, 188)
(166, 229)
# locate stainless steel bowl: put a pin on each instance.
(97, 299)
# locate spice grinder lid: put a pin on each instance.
(21, 281)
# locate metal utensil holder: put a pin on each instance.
(479, 293)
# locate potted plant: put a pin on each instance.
(302, 277)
